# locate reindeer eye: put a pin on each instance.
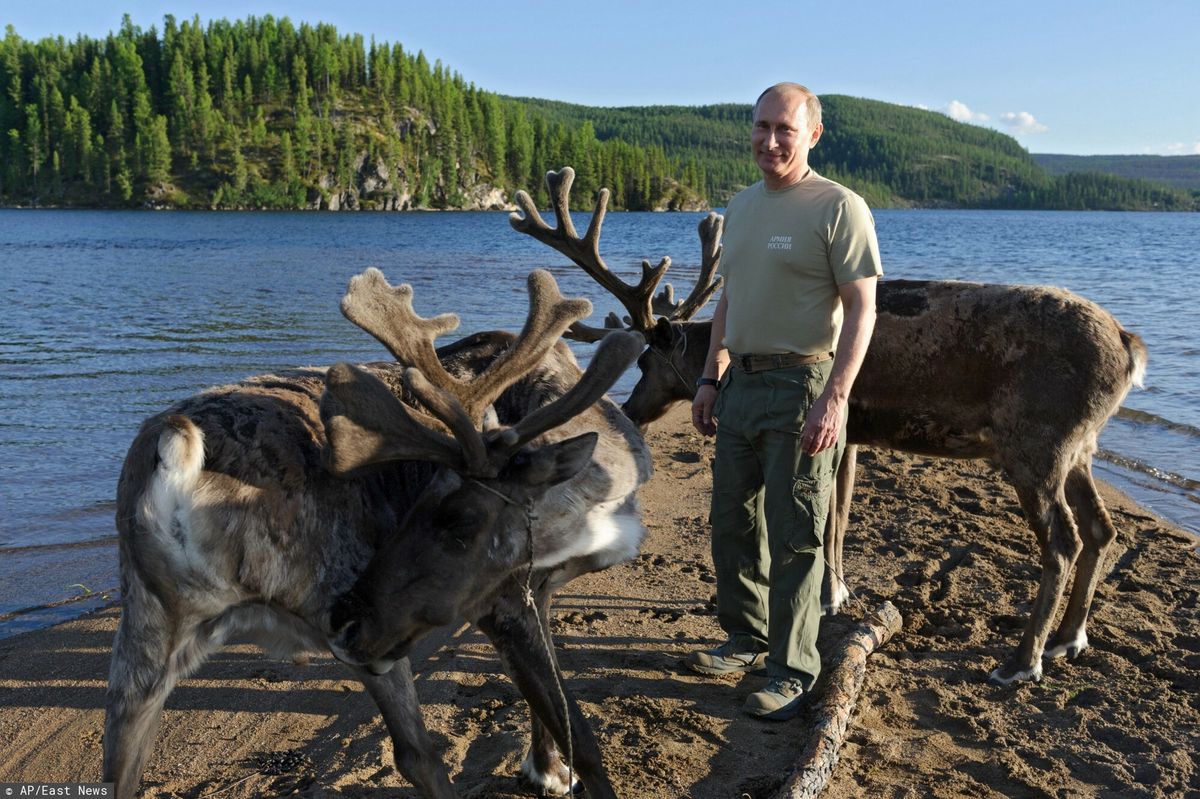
(346, 607)
(455, 516)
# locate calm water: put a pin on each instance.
(110, 316)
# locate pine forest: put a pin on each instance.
(261, 113)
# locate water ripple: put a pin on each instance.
(112, 316)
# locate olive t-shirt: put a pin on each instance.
(785, 254)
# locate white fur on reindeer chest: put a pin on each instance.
(606, 532)
(596, 514)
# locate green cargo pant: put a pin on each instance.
(769, 505)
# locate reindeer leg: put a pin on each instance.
(1097, 533)
(830, 600)
(151, 653)
(834, 592)
(544, 766)
(512, 627)
(1046, 510)
(396, 697)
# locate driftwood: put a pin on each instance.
(815, 765)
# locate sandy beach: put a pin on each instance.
(943, 540)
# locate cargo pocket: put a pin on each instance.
(791, 395)
(810, 505)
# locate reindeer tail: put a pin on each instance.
(1136, 348)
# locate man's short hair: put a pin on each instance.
(812, 104)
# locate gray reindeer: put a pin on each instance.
(1025, 376)
(332, 509)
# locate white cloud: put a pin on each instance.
(1022, 123)
(961, 113)
(1182, 148)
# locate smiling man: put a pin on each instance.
(789, 335)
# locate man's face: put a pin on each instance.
(781, 138)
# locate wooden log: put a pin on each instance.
(815, 765)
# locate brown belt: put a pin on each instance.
(750, 363)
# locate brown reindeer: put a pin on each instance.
(1025, 376)
(325, 509)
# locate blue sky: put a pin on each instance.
(1061, 76)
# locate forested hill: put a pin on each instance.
(261, 113)
(1180, 171)
(891, 154)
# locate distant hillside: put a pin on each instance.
(712, 141)
(264, 114)
(261, 113)
(891, 154)
(1180, 171)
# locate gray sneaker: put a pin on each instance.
(727, 658)
(779, 701)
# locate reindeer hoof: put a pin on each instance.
(1069, 649)
(553, 781)
(832, 605)
(1009, 674)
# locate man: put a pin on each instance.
(789, 334)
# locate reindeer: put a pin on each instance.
(1025, 376)
(324, 509)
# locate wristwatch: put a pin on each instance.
(706, 381)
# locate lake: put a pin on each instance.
(109, 316)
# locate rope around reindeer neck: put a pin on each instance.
(680, 348)
(530, 518)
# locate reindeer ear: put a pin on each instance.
(573, 455)
(553, 463)
(660, 335)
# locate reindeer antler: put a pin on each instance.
(386, 312)
(639, 300)
(585, 252)
(616, 352)
(707, 282)
(365, 423)
(550, 314)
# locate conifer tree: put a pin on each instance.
(272, 113)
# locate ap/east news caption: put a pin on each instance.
(57, 789)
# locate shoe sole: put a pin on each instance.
(713, 671)
(708, 671)
(785, 713)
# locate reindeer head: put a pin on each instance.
(671, 362)
(470, 528)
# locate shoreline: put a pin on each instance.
(944, 540)
(102, 577)
(510, 207)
